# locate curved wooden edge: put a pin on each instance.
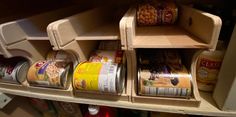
(204, 25)
(194, 75)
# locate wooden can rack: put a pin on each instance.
(194, 30)
(79, 35)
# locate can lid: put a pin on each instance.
(22, 71)
(93, 109)
(120, 77)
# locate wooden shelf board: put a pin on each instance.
(165, 37)
(207, 106)
(106, 32)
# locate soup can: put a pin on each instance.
(49, 74)
(164, 80)
(106, 56)
(99, 77)
(14, 71)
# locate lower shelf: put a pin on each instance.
(207, 106)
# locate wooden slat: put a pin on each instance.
(165, 37)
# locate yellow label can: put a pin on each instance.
(95, 76)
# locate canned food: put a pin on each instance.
(164, 80)
(66, 109)
(99, 77)
(156, 12)
(148, 14)
(59, 56)
(169, 12)
(106, 56)
(13, 70)
(49, 74)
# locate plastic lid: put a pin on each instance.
(93, 109)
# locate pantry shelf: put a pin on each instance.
(165, 37)
(207, 106)
(106, 32)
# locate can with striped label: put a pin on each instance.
(164, 80)
(99, 77)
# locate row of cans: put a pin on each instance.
(163, 78)
(17, 70)
(104, 72)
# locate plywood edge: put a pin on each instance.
(12, 86)
(130, 28)
(83, 38)
(52, 36)
(109, 97)
(193, 72)
(51, 91)
(129, 74)
(122, 25)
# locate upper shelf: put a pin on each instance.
(165, 37)
(194, 29)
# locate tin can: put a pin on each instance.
(14, 70)
(164, 80)
(49, 74)
(66, 109)
(169, 12)
(106, 56)
(99, 77)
